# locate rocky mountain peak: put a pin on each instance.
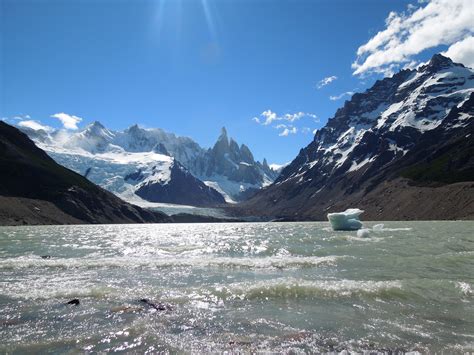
(437, 63)
(97, 129)
(134, 128)
(383, 123)
(415, 116)
(223, 135)
(227, 165)
(221, 146)
(95, 126)
(246, 154)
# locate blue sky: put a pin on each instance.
(192, 66)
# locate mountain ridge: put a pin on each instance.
(225, 169)
(34, 189)
(396, 123)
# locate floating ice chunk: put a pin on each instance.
(347, 220)
(363, 233)
(378, 227)
(381, 228)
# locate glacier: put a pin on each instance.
(170, 168)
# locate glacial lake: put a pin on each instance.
(237, 287)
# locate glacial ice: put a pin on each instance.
(378, 227)
(347, 220)
(363, 233)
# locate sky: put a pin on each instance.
(270, 71)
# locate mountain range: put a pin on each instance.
(151, 165)
(34, 189)
(403, 149)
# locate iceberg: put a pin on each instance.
(346, 221)
(363, 233)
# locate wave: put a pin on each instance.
(290, 288)
(294, 288)
(280, 262)
(465, 288)
(65, 291)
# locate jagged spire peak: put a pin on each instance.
(223, 132)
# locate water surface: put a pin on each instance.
(237, 287)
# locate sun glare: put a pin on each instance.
(175, 11)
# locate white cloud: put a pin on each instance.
(35, 125)
(285, 123)
(287, 131)
(440, 22)
(68, 121)
(326, 81)
(338, 97)
(462, 52)
(21, 118)
(268, 117)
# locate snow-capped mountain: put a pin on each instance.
(371, 137)
(157, 166)
(231, 169)
(37, 190)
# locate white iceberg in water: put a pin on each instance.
(346, 221)
(363, 233)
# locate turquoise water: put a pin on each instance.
(280, 287)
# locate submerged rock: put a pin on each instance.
(346, 221)
(157, 306)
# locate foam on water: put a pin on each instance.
(298, 288)
(278, 262)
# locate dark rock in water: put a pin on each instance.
(74, 302)
(157, 306)
(46, 256)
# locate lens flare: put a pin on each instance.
(173, 10)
